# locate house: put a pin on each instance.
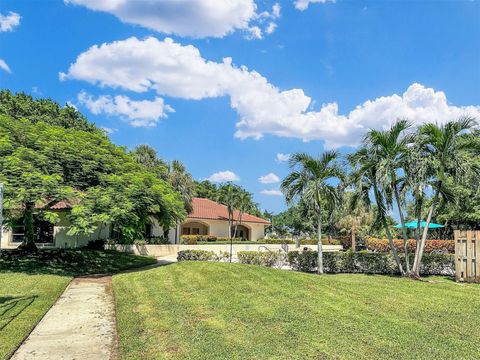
(207, 218)
(211, 218)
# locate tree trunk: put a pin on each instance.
(29, 237)
(404, 230)
(319, 243)
(389, 234)
(418, 259)
(354, 240)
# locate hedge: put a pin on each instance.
(368, 263)
(201, 255)
(436, 246)
(195, 239)
(302, 242)
(263, 258)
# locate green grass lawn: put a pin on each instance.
(198, 310)
(30, 285)
(24, 299)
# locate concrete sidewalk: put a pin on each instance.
(81, 325)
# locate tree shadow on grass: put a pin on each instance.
(11, 307)
(69, 262)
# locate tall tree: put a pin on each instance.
(311, 180)
(365, 176)
(390, 148)
(446, 147)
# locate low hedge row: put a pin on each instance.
(195, 239)
(302, 242)
(431, 246)
(201, 255)
(368, 263)
(263, 258)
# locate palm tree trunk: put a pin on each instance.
(319, 243)
(354, 240)
(404, 230)
(389, 234)
(418, 258)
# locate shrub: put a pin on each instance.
(264, 258)
(197, 255)
(195, 239)
(368, 263)
(302, 242)
(435, 246)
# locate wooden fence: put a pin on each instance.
(467, 256)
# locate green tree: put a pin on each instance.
(447, 147)
(310, 180)
(365, 177)
(390, 149)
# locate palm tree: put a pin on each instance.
(228, 196)
(182, 182)
(147, 157)
(244, 203)
(445, 147)
(390, 148)
(365, 179)
(311, 181)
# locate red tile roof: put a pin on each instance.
(209, 209)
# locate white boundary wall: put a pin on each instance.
(171, 250)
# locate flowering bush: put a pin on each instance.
(435, 246)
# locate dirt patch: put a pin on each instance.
(81, 325)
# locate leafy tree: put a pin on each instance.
(310, 180)
(23, 106)
(44, 160)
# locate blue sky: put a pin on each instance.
(297, 77)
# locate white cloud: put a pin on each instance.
(270, 178)
(143, 113)
(224, 176)
(303, 4)
(193, 18)
(282, 157)
(175, 70)
(108, 130)
(4, 66)
(272, 192)
(9, 22)
(271, 28)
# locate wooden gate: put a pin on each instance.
(467, 256)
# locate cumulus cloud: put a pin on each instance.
(4, 66)
(9, 22)
(193, 18)
(272, 192)
(174, 70)
(270, 178)
(282, 157)
(303, 4)
(143, 113)
(224, 176)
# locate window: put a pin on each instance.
(195, 231)
(186, 231)
(18, 234)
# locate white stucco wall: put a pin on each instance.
(218, 228)
(60, 237)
